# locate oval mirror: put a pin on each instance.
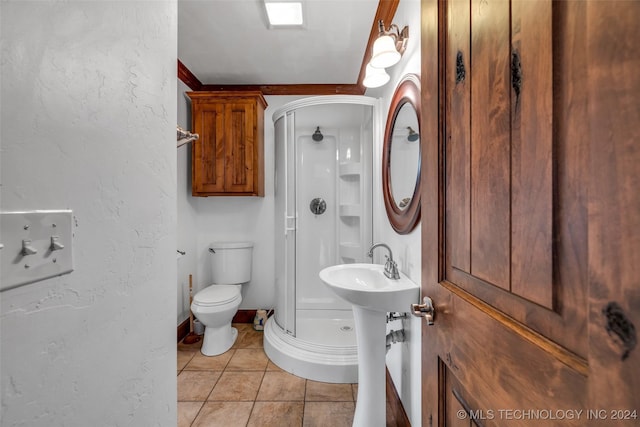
(401, 157)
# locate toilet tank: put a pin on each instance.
(231, 262)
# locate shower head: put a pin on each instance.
(413, 135)
(317, 135)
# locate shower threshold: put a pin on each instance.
(328, 353)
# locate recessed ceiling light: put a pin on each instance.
(284, 13)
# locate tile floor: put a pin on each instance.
(242, 387)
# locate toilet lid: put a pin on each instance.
(217, 295)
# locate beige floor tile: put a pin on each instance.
(244, 388)
(327, 392)
(248, 359)
(237, 386)
(334, 414)
(183, 358)
(196, 385)
(250, 339)
(241, 327)
(190, 347)
(281, 386)
(200, 362)
(187, 412)
(224, 414)
(273, 367)
(241, 335)
(276, 414)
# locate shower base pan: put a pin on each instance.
(328, 352)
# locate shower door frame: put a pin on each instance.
(285, 313)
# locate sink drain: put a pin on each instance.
(346, 328)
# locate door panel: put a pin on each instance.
(530, 253)
(240, 147)
(208, 153)
(532, 151)
(490, 146)
(500, 165)
(458, 209)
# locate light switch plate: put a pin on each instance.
(36, 245)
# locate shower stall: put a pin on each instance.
(323, 203)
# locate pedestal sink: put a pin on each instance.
(372, 295)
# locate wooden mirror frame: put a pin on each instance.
(404, 220)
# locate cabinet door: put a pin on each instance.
(240, 150)
(208, 164)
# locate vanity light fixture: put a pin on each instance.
(386, 52)
(389, 46)
(284, 14)
(375, 77)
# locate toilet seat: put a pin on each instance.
(217, 295)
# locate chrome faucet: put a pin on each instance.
(390, 267)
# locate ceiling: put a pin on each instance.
(227, 43)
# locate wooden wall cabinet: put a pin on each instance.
(228, 158)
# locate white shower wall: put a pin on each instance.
(316, 235)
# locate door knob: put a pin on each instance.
(425, 310)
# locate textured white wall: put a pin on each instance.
(88, 115)
(403, 360)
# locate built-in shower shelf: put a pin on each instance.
(350, 210)
(350, 250)
(350, 169)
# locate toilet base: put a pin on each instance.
(218, 340)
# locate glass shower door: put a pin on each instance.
(285, 242)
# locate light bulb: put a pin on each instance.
(384, 53)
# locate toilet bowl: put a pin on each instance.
(216, 304)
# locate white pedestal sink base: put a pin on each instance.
(371, 339)
(372, 295)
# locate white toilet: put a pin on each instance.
(216, 304)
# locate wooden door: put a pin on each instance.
(531, 212)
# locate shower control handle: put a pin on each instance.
(318, 206)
